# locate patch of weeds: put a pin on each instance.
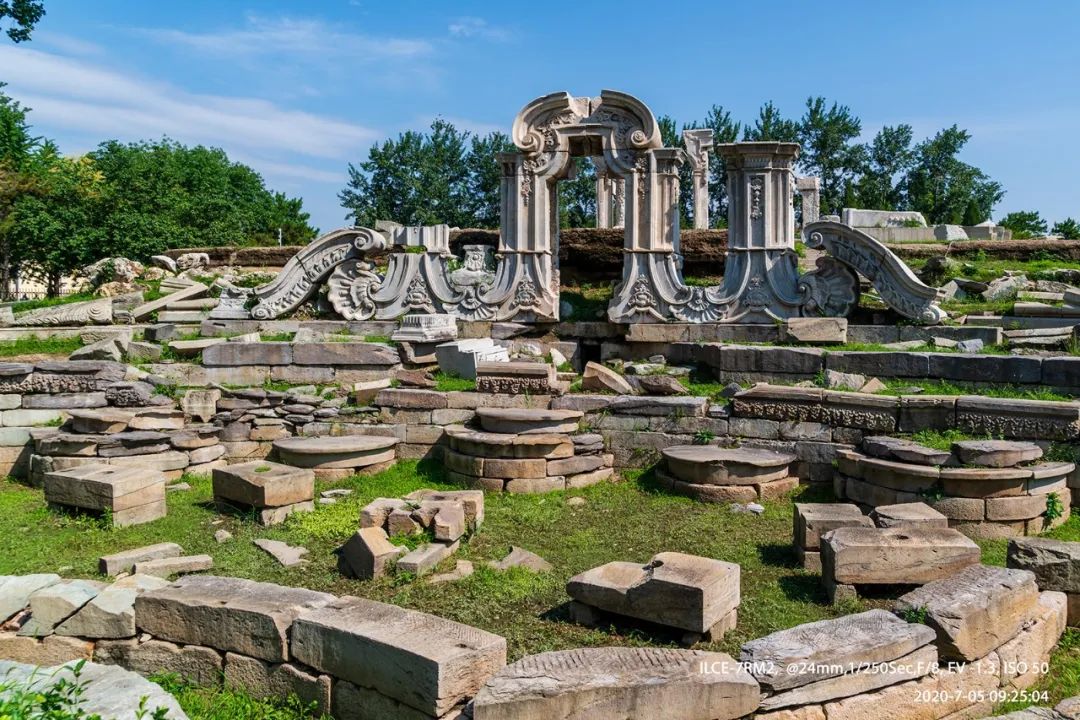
(277, 337)
(941, 439)
(704, 437)
(414, 540)
(254, 280)
(1054, 507)
(915, 615)
(380, 339)
(262, 469)
(225, 703)
(24, 305)
(445, 382)
(167, 390)
(933, 493)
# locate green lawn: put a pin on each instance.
(629, 520)
(51, 345)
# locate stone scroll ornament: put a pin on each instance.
(307, 270)
(894, 281)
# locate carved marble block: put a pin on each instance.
(461, 357)
(426, 329)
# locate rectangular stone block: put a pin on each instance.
(345, 353)
(1013, 418)
(1007, 369)
(854, 556)
(404, 399)
(124, 561)
(927, 412)
(241, 616)
(812, 520)
(423, 661)
(880, 364)
(230, 354)
(264, 680)
(29, 417)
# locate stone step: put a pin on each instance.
(996, 453)
(528, 422)
(711, 465)
(508, 446)
(339, 452)
(619, 682)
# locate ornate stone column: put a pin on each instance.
(604, 192)
(698, 143)
(810, 190)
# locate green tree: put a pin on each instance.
(16, 147)
(163, 195)
(771, 126)
(577, 195)
(941, 186)
(1024, 224)
(1067, 228)
(54, 222)
(485, 178)
(888, 158)
(672, 137)
(826, 135)
(416, 179)
(20, 16)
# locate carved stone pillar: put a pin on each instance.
(698, 144)
(761, 270)
(604, 192)
(618, 209)
(810, 190)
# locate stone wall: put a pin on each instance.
(364, 660)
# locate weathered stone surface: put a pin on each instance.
(1056, 563)
(343, 451)
(423, 661)
(683, 591)
(907, 451)
(814, 330)
(262, 484)
(264, 680)
(424, 558)
(100, 421)
(1010, 417)
(235, 354)
(812, 520)
(499, 445)
(345, 353)
(711, 465)
(368, 553)
(520, 557)
(816, 651)
(908, 515)
(619, 683)
(52, 650)
(522, 421)
(1023, 657)
(130, 495)
(659, 385)
(855, 556)
(682, 407)
(231, 614)
(55, 603)
(124, 561)
(996, 453)
(287, 555)
(167, 567)
(604, 379)
(197, 664)
(975, 610)
(15, 591)
(111, 613)
(201, 404)
(105, 691)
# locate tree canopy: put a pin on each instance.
(136, 199)
(20, 17)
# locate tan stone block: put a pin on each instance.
(777, 488)
(264, 680)
(1021, 507)
(515, 469)
(535, 485)
(1025, 656)
(854, 555)
(52, 650)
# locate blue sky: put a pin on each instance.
(299, 89)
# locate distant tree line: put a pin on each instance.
(135, 200)
(448, 175)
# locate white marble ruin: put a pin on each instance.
(637, 190)
(418, 328)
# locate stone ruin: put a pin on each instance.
(637, 189)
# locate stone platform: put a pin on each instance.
(984, 488)
(528, 422)
(333, 458)
(526, 463)
(271, 490)
(128, 495)
(696, 595)
(714, 474)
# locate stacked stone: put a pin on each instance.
(350, 657)
(252, 418)
(526, 451)
(1056, 565)
(335, 458)
(270, 490)
(696, 596)
(446, 516)
(149, 439)
(875, 664)
(714, 474)
(986, 488)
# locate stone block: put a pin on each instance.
(49, 651)
(261, 484)
(425, 662)
(167, 567)
(124, 561)
(814, 330)
(1056, 563)
(674, 589)
(111, 613)
(619, 683)
(913, 515)
(129, 495)
(197, 664)
(425, 558)
(929, 412)
(345, 353)
(15, 592)
(976, 610)
(65, 401)
(263, 680)
(368, 553)
(812, 520)
(1023, 657)
(29, 418)
(1013, 418)
(854, 556)
(231, 614)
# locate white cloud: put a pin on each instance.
(469, 27)
(293, 38)
(67, 44)
(76, 96)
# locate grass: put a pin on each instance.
(941, 439)
(51, 345)
(24, 305)
(588, 301)
(445, 382)
(898, 386)
(228, 704)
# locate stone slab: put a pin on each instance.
(854, 556)
(262, 484)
